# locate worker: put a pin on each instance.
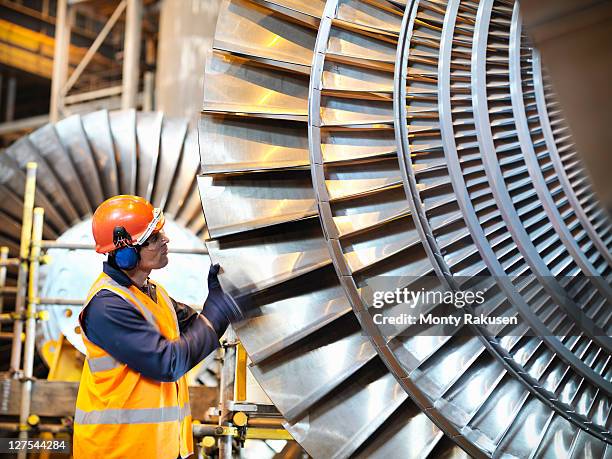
(133, 399)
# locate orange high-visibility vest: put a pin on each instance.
(121, 413)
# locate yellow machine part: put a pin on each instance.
(65, 361)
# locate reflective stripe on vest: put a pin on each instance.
(102, 363)
(132, 416)
(108, 362)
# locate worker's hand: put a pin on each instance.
(213, 276)
(220, 308)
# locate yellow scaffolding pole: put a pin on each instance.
(22, 276)
(30, 349)
(241, 373)
(4, 251)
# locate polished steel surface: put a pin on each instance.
(436, 153)
(51, 150)
(172, 139)
(148, 132)
(246, 29)
(236, 85)
(305, 343)
(72, 136)
(241, 145)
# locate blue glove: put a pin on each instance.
(219, 308)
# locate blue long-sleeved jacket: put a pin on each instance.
(116, 326)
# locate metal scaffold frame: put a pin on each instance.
(238, 419)
(61, 83)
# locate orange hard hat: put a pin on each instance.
(124, 214)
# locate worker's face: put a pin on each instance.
(154, 252)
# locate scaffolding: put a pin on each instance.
(127, 90)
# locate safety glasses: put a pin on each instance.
(155, 225)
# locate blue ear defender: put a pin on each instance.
(126, 256)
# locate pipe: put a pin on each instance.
(131, 54)
(52, 302)
(60, 59)
(268, 423)
(4, 251)
(22, 124)
(60, 301)
(199, 430)
(272, 423)
(46, 244)
(241, 373)
(7, 317)
(226, 394)
(53, 428)
(148, 90)
(11, 96)
(28, 357)
(9, 261)
(91, 95)
(204, 430)
(24, 250)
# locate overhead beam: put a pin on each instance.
(23, 124)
